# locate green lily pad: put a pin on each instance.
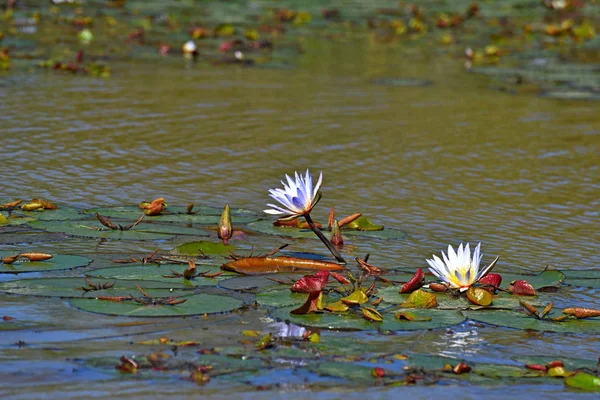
(204, 216)
(363, 224)
(280, 296)
(545, 279)
(63, 213)
(497, 371)
(203, 247)
(57, 262)
(144, 231)
(196, 304)
(267, 227)
(71, 287)
(253, 282)
(519, 320)
(156, 273)
(14, 219)
(584, 278)
(583, 380)
(355, 321)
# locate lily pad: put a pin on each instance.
(267, 227)
(144, 231)
(546, 279)
(196, 304)
(57, 262)
(204, 215)
(520, 320)
(255, 282)
(71, 287)
(15, 219)
(63, 213)
(584, 278)
(280, 296)
(203, 247)
(439, 319)
(156, 273)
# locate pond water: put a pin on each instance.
(454, 160)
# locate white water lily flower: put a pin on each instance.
(458, 269)
(297, 197)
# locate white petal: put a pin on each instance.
(477, 256)
(453, 258)
(273, 212)
(443, 268)
(317, 186)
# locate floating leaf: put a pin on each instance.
(263, 343)
(411, 316)
(480, 297)
(363, 223)
(355, 298)
(491, 279)
(267, 227)
(371, 314)
(329, 320)
(523, 321)
(144, 231)
(521, 287)
(548, 279)
(421, 299)
(179, 214)
(313, 303)
(201, 248)
(415, 283)
(3, 219)
(57, 262)
(157, 273)
(196, 304)
(72, 288)
(337, 307)
(269, 265)
(311, 283)
(584, 381)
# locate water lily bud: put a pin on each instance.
(336, 234)
(225, 229)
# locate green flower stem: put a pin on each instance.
(325, 241)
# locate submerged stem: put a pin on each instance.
(325, 241)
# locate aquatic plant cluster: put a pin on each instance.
(544, 47)
(302, 295)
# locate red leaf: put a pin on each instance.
(521, 287)
(311, 283)
(415, 283)
(311, 304)
(340, 278)
(491, 279)
(536, 367)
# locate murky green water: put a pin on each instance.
(456, 160)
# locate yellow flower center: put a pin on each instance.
(462, 276)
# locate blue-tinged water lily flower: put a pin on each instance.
(458, 269)
(297, 198)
